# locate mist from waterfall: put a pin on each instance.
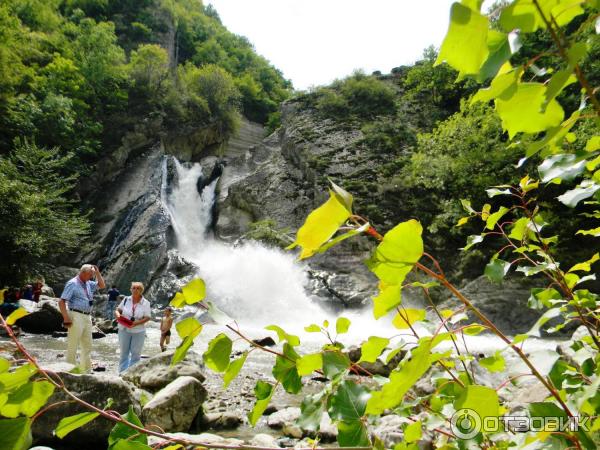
(254, 284)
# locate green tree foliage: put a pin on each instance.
(40, 223)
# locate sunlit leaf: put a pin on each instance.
(341, 325)
(216, 356)
(353, 434)
(493, 192)
(413, 432)
(307, 364)
(586, 189)
(263, 392)
(586, 265)
(465, 46)
(388, 298)
(473, 330)
(348, 402)
(522, 112)
(194, 291)
(504, 86)
(473, 240)
(494, 363)
(293, 340)
(27, 399)
(372, 348)
(407, 317)
(313, 328)
(550, 314)
(182, 350)
(285, 370)
(68, 424)
(499, 50)
(593, 144)
(188, 327)
(491, 221)
(563, 166)
(234, 369)
(12, 380)
(334, 363)
(481, 399)
(591, 232)
(320, 225)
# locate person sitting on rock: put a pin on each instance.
(165, 328)
(111, 303)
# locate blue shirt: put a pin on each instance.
(78, 294)
(113, 295)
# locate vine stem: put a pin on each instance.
(498, 333)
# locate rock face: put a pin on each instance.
(155, 373)
(174, 407)
(94, 389)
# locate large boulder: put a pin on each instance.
(174, 407)
(155, 373)
(43, 318)
(93, 389)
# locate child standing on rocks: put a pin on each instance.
(165, 328)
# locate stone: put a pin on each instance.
(94, 389)
(43, 318)
(264, 440)
(174, 407)
(282, 417)
(265, 342)
(389, 430)
(195, 439)
(155, 373)
(222, 421)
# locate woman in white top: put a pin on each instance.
(132, 314)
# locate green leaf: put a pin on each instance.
(234, 369)
(403, 378)
(311, 412)
(466, 204)
(493, 192)
(285, 370)
(481, 399)
(216, 356)
(293, 340)
(313, 328)
(465, 46)
(503, 86)
(396, 255)
(188, 327)
(16, 315)
(320, 225)
(27, 399)
(12, 380)
(413, 432)
(553, 137)
(499, 53)
(4, 365)
(372, 348)
(495, 363)
(341, 325)
(343, 196)
(593, 144)
(496, 270)
(521, 15)
(263, 392)
(472, 240)
(550, 314)
(591, 232)
(493, 219)
(194, 291)
(15, 434)
(122, 431)
(542, 298)
(68, 424)
(563, 166)
(558, 82)
(473, 330)
(586, 189)
(519, 229)
(342, 237)
(408, 316)
(523, 111)
(348, 402)
(353, 434)
(585, 266)
(334, 363)
(182, 350)
(388, 298)
(307, 364)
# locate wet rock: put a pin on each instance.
(174, 407)
(282, 417)
(264, 440)
(43, 318)
(108, 326)
(94, 389)
(222, 421)
(196, 439)
(265, 342)
(389, 430)
(156, 372)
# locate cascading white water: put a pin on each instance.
(254, 284)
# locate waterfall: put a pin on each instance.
(256, 285)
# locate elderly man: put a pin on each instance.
(79, 295)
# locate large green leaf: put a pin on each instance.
(188, 327)
(481, 399)
(191, 293)
(334, 363)
(465, 46)
(27, 399)
(216, 356)
(122, 431)
(234, 369)
(525, 16)
(496, 270)
(12, 380)
(396, 255)
(15, 434)
(321, 224)
(286, 372)
(372, 348)
(342, 325)
(182, 350)
(68, 424)
(390, 296)
(263, 392)
(499, 52)
(353, 434)
(522, 112)
(307, 364)
(348, 402)
(406, 317)
(494, 363)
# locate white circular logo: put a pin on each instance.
(465, 423)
